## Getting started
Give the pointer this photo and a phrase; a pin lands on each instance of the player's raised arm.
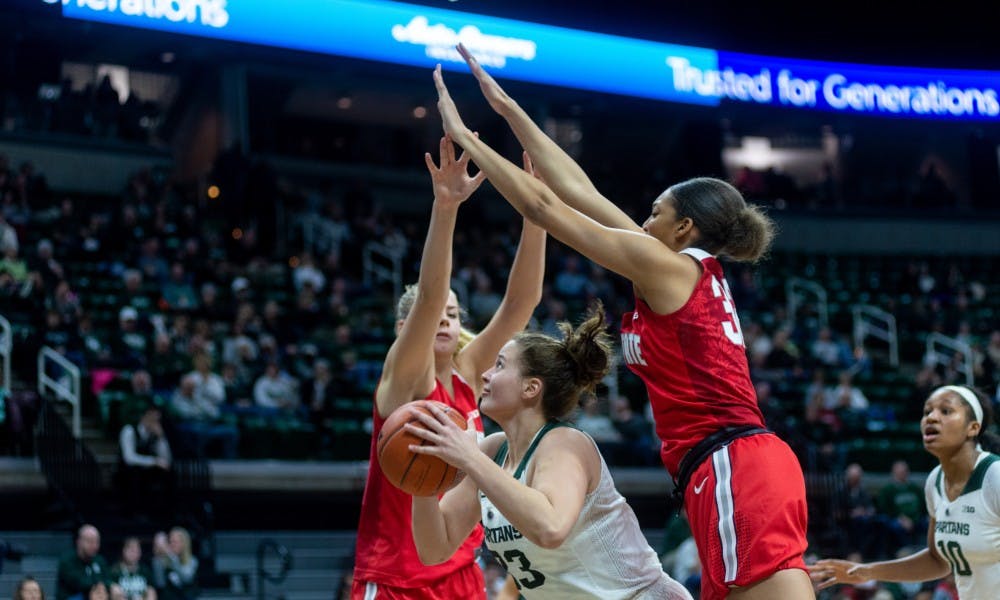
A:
(556, 167)
(408, 370)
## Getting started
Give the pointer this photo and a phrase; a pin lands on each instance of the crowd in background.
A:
(207, 310)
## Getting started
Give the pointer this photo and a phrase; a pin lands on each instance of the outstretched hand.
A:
(494, 94)
(452, 182)
(829, 572)
(450, 119)
(448, 441)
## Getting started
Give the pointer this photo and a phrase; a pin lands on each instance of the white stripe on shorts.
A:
(725, 506)
(371, 589)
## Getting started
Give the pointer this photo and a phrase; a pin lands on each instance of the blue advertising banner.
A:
(424, 36)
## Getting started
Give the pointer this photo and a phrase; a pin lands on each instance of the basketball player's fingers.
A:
(442, 416)
(425, 434)
(447, 150)
(469, 59)
(442, 90)
(429, 421)
(433, 168)
(478, 179)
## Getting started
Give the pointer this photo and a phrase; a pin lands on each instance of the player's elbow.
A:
(538, 203)
(550, 538)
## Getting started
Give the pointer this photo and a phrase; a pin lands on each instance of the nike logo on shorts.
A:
(700, 486)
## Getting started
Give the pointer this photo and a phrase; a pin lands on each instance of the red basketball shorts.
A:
(747, 507)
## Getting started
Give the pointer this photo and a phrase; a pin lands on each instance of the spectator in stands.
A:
(641, 448)
(318, 393)
(827, 351)
(177, 291)
(131, 575)
(151, 262)
(307, 272)
(784, 359)
(209, 386)
(14, 265)
(276, 390)
(238, 392)
(597, 423)
(166, 365)
(859, 505)
(144, 474)
(901, 507)
(240, 288)
(130, 345)
(8, 236)
(199, 421)
(824, 450)
(570, 282)
(849, 402)
(28, 589)
(80, 569)
(175, 568)
(209, 307)
(99, 591)
(45, 264)
(96, 351)
(285, 331)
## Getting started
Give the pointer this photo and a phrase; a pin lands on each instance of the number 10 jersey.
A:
(967, 529)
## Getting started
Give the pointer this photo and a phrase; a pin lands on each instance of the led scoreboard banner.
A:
(423, 36)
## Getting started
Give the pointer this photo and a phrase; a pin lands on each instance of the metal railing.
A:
(70, 468)
(873, 321)
(374, 257)
(284, 565)
(65, 385)
(934, 356)
(798, 290)
(6, 345)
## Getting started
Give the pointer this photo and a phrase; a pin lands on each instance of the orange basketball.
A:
(415, 474)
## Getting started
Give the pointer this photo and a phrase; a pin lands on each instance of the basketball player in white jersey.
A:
(963, 501)
(546, 499)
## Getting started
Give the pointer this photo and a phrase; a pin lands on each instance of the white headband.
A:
(968, 396)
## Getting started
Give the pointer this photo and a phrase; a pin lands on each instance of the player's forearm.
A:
(430, 531)
(435, 261)
(526, 194)
(922, 566)
(527, 509)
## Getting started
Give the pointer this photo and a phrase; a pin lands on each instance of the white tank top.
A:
(605, 557)
(967, 530)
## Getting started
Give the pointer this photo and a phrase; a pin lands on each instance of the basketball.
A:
(415, 474)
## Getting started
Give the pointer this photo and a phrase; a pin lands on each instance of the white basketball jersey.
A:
(605, 557)
(967, 530)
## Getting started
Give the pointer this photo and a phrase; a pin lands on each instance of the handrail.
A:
(374, 270)
(68, 393)
(932, 355)
(286, 565)
(873, 321)
(796, 289)
(6, 346)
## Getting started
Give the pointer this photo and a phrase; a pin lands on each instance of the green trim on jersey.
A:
(979, 473)
(975, 482)
(501, 454)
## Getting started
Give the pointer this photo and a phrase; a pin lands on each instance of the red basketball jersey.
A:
(385, 551)
(694, 364)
